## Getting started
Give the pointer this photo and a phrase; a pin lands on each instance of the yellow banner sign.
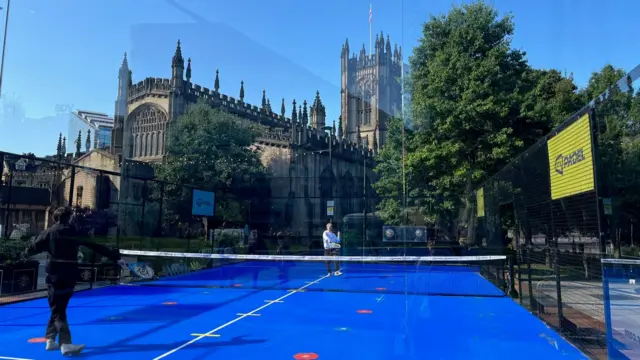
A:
(571, 160)
(480, 202)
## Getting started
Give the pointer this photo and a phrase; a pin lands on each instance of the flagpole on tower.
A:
(370, 23)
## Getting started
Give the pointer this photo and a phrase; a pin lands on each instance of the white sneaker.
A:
(52, 345)
(337, 273)
(329, 274)
(70, 349)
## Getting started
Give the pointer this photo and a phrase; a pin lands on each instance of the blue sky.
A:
(68, 51)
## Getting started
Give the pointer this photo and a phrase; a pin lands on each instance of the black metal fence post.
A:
(555, 253)
(7, 211)
(2, 184)
(596, 165)
(160, 217)
(72, 184)
(532, 301)
(145, 192)
(1, 167)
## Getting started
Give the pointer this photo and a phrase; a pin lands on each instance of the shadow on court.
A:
(119, 348)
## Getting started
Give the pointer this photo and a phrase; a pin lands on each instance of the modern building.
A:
(91, 125)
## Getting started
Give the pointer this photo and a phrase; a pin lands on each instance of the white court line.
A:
(12, 358)
(273, 301)
(232, 321)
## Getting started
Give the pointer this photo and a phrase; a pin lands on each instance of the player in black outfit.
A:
(61, 243)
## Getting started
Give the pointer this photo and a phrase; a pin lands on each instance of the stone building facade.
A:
(311, 160)
(371, 91)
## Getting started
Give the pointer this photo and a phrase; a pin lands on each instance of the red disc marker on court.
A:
(306, 356)
(237, 285)
(381, 289)
(37, 340)
(364, 311)
(170, 303)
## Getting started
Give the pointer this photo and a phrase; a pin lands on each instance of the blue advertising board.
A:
(203, 203)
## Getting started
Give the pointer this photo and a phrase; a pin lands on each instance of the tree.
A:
(617, 146)
(551, 99)
(477, 104)
(389, 169)
(465, 94)
(210, 149)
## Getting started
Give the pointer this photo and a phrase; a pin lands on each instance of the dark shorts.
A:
(331, 252)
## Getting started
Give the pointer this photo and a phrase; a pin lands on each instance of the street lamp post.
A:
(4, 43)
(325, 129)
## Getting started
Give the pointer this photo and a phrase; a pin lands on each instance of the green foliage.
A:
(389, 169)
(211, 150)
(476, 104)
(618, 118)
(467, 90)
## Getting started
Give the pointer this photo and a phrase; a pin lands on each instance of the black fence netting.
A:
(562, 206)
(119, 211)
(133, 209)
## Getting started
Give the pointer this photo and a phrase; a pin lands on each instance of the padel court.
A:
(294, 310)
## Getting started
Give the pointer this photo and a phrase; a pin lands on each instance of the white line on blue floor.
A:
(234, 320)
(12, 358)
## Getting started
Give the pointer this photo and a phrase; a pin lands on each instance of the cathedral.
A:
(313, 162)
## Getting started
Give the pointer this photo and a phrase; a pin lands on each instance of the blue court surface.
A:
(265, 311)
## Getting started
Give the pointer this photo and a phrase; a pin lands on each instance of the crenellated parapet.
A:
(304, 128)
(149, 87)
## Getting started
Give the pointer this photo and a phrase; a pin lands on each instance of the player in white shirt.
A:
(331, 247)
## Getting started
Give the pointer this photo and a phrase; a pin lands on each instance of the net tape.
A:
(620, 261)
(316, 258)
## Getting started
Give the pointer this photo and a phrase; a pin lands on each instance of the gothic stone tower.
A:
(371, 92)
(305, 176)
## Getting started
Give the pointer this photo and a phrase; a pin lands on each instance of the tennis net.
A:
(479, 276)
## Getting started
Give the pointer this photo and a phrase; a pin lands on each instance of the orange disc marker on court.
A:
(306, 356)
(37, 340)
(364, 311)
(381, 289)
(170, 303)
(237, 285)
